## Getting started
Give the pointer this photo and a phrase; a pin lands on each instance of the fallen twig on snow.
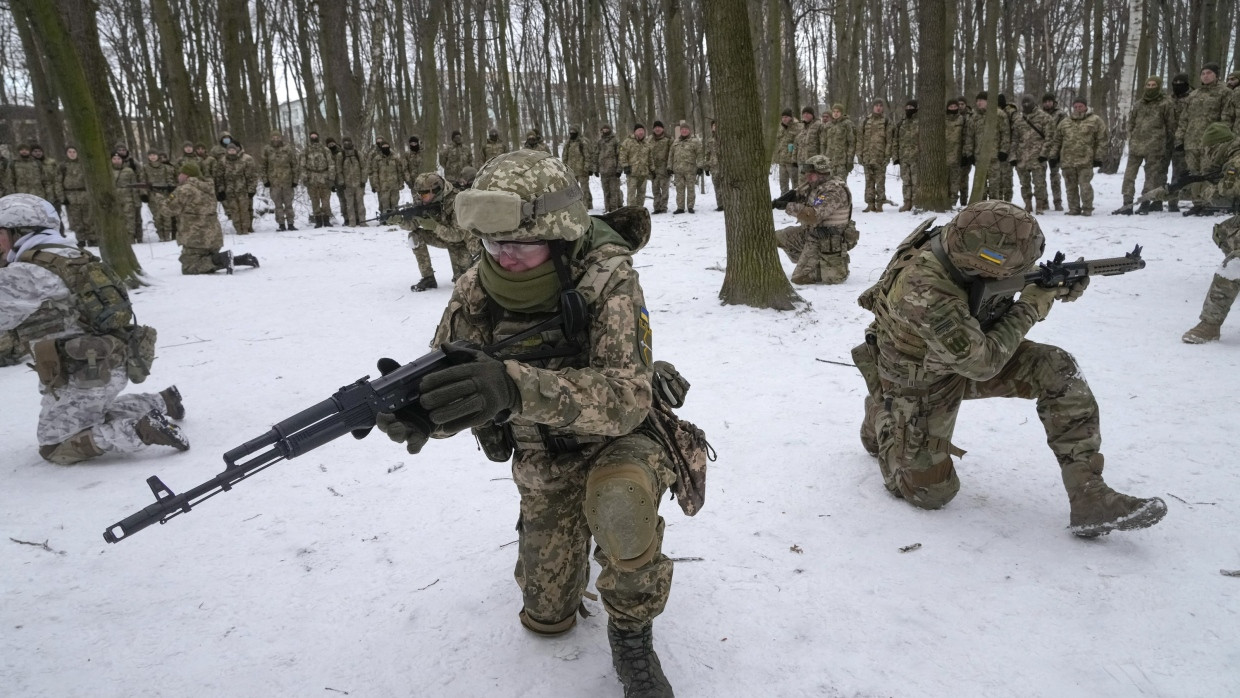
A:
(1230, 573)
(687, 559)
(836, 363)
(428, 586)
(42, 545)
(910, 548)
(1190, 503)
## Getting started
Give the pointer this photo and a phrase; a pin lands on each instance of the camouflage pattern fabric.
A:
(77, 201)
(660, 163)
(907, 146)
(1002, 140)
(440, 231)
(1225, 286)
(819, 246)
(28, 176)
(955, 130)
(127, 199)
(839, 144)
(808, 144)
(686, 159)
(237, 177)
(386, 178)
(712, 152)
(78, 422)
(599, 398)
(453, 158)
(786, 154)
(607, 150)
(1079, 141)
(492, 148)
(279, 166)
(318, 174)
(198, 224)
(159, 174)
(1054, 178)
(411, 166)
(1032, 133)
(351, 181)
(635, 155)
(1202, 107)
(1152, 126)
(580, 158)
(874, 150)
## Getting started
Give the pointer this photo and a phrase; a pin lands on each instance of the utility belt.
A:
(90, 359)
(830, 237)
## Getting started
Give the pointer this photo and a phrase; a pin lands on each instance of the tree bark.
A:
(933, 39)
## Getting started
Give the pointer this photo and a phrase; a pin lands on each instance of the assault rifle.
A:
(352, 409)
(165, 188)
(786, 198)
(418, 210)
(1174, 187)
(990, 299)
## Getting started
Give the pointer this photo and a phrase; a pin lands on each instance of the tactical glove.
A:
(1074, 290)
(219, 196)
(474, 392)
(1038, 298)
(967, 161)
(267, 184)
(628, 170)
(408, 427)
(1097, 163)
(1002, 156)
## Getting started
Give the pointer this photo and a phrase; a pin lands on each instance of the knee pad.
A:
(75, 449)
(622, 512)
(547, 629)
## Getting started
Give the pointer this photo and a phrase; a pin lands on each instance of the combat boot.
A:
(280, 228)
(1028, 205)
(637, 666)
(291, 226)
(868, 207)
(154, 428)
(246, 260)
(1042, 207)
(1058, 205)
(1173, 206)
(1156, 206)
(678, 211)
(1097, 509)
(424, 284)
(223, 260)
(1202, 333)
(908, 206)
(1143, 209)
(878, 208)
(173, 406)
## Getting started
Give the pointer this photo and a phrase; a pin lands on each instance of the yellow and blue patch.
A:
(644, 336)
(992, 256)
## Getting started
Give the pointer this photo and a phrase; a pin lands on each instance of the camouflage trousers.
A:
(908, 180)
(128, 212)
(789, 177)
(686, 194)
(553, 557)
(993, 188)
(163, 223)
(240, 210)
(1155, 175)
(282, 197)
(587, 198)
(658, 187)
(1078, 182)
(958, 183)
(389, 199)
(1197, 160)
(913, 426)
(841, 171)
(1055, 184)
(1179, 165)
(636, 190)
(875, 184)
(460, 254)
(1005, 179)
(198, 260)
(353, 207)
(320, 200)
(79, 217)
(1225, 286)
(816, 262)
(1033, 182)
(83, 420)
(613, 197)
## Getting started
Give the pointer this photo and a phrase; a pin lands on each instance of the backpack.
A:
(98, 293)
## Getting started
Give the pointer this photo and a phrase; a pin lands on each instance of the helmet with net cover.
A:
(993, 239)
(26, 213)
(524, 196)
(817, 163)
(432, 182)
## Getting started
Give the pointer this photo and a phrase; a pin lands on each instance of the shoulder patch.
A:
(644, 336)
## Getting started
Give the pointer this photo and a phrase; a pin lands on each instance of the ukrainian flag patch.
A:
(991, 256)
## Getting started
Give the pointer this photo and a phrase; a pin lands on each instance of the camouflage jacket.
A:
(1202, 107)
(603, 391)
(578, 157)
(492, 148)
(411, 165)
(126, 196)
(608, 154)
(785, 142)
(350, 170)
(906, 145)
(1080, 140)
(924, 330)
(686, 156)
(198, 222)
(635, 154)
(712, 152)
(279, 165)
(237, 176)
(454, 158)
(808, 142)
(72, 177)
(159, 174)
(1151, 127)
(318, 167)
(840, 143)
(875, 141)
(973, 135)
(387, 172)
(955, 130)
(660, 154)
(1231, 109)
(1031, 138)
(28, 176)
(824, 204)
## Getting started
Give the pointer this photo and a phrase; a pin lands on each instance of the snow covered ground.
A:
(360, 569)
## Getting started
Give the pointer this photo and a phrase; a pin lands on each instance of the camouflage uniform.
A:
(1151, 127)
(1202, 108)
(905, 149)
(819, 247)
(280, 173)
(973, 148)
(608, 168)
(874, 151)
(127, 201)
(580, 159)
(351, 181)
(660, 167)
(198, 226)
(1225, 286)
(438, 230)
(808, 144)
(455, 157)
(237, 178)
(712, 162)
(318, 174)
(839, 141)
(956, 129)
(786, 152)
(411, 162)
(636, 162)
(1006, 115)
(534, 141)
(1054, 178)
(161, 177)
(493, 146)
(28, 176)
(1079, 143)
(386, 178)
(77, 201)
(1032, 132)
(925, 353)
(686, 161)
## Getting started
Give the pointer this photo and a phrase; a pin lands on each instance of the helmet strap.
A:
(936, 244)
(573, 307)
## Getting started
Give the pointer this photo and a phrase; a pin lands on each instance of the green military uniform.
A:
(581, 159)
(1032, 132)
(660, 166)
(874, 151)
(386, 176)
(76, 199)
(839, 143)
(907, 144)
(318, 175)
(454, 157)
(1151, 128)
(436, 230)
(280, 171)
(686, 161)
(819, 246)
(534, 141)
(1225, 286)
(236, 177)
(161, 179)
(411, 161)
(1079, 145)
(925, 353)
(351, 182)
(127, 200)
(1054, 176)
(786, 150)
(1002, 140)
(27, 175)
(808, 142)
(712, 161)
(1202, 108)
(193, 204)
(955, 129)
(607, 150)
(1006, 115)
(635, 161)
(493, 146)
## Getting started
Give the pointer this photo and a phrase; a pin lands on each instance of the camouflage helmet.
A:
(432, 182)
(27, 212)
(523, 196)
(818, 164)
(993, 239)
(468, 173)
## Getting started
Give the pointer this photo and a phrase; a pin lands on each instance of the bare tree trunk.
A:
(47, 116)
(987, 147)
(677, 69)
(933, 39)
(430, 82)
(754, 276)
(80, 17)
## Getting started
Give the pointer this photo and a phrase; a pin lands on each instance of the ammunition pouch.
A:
(685, 444)
(140, 344)
(89, 359)
(494, 441)
(47, 363)
(830, 239)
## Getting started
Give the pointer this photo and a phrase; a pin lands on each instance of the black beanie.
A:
(637, 126)
(983, 95)
(787, 112)
(658, 124)
(1212, 67)
(1080, 100)
(1050, 97)
(1002, 100)
(807, 110)
(911, 103)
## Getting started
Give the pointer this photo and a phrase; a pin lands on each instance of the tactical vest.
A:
(909, 347)
(98, 293)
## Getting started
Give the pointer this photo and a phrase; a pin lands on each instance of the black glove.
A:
(145, 198)
(700, 171)
(1041, 158)
(1097, 163)
(267, 184)
(1054, 162)
(219, 196)
(408, 426)
(628, 170)
(1002, 156)
(473, 392)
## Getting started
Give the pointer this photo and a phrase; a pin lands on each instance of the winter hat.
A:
(1158, 80)
(683, 124)
(1079, 100)
(911, 103)
(456, 133)
(531, 135)
(807, 110)
(982, 95)
(1002, 101)
(837, 107)
(191, 168)
(1215, 134)
(277, 134)
(1234, 75)
(414, 139)
(637, 126)
(1050, 97)
(1212, 67)
(786, 112)
(186, 144)
(658, 124)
